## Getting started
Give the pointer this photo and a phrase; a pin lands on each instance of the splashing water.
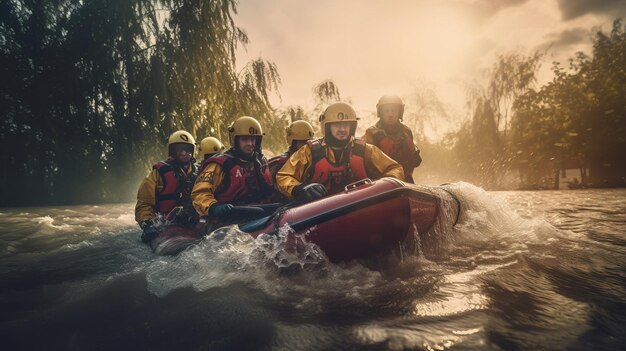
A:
(520, 270)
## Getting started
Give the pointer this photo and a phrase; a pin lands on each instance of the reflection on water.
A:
(521, 270)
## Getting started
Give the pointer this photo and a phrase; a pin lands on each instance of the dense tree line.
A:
(578, 120)
(519, 135)
(90, 90)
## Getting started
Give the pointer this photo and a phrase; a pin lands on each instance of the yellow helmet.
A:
(390, 100)
(181, 137)
(299, 130)
(338, 112)
(244, 126)
(210, 145)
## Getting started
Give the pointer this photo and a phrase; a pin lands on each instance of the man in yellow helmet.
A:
(168, 185)
(238, 176)
(298, 133)
(209, 147)
(394, 137)
(328, 164)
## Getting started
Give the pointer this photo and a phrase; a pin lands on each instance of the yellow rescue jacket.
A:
(145, 209)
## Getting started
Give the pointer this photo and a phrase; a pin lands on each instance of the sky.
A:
(373, 47)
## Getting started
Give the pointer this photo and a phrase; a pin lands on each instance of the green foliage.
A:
(92, 89)
(578, 120)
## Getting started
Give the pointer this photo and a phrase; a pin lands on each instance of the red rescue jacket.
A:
(276, 163)
(401, 149)
(336, 175)
(244, 182)
(177, 186)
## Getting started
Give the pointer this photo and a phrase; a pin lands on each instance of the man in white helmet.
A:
(168, 185)
(239, 176)
(392, 136)
(328, 164)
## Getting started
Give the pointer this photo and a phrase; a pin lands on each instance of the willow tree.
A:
(325, 93)
(484, 144)
(91, 89)
(424, 110)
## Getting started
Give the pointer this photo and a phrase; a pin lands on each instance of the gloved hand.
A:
(309, 192)
(219, 210)
(149, 233)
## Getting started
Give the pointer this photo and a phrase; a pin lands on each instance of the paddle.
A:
(240, 214)
(245, 212)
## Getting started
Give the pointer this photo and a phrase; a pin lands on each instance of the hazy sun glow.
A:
(370, 48)
(436, 40)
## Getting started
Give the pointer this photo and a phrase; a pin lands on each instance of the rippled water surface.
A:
(521, 270)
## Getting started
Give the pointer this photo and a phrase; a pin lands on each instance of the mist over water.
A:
(521, 270)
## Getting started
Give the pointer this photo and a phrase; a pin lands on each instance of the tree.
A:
(483, 144)
(578, 119)
(92, 89)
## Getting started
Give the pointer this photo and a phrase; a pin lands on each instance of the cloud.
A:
(566, 39)
(495, 6)
(571, 9)
(480, 11)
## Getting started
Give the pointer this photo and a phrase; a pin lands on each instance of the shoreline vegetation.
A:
(91, 90)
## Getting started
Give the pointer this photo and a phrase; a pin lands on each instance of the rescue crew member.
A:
(209, 147)
(298, 133)
(168, 185)
(239, 176)
(394, 137)
(328, 164)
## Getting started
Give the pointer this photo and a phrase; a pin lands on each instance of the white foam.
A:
(229, 255)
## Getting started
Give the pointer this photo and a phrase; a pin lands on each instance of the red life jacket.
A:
(205, 162)
(276, 163)
(203, 165)
(177, 186)
(243, 183)
(401, 150)
(336, 175)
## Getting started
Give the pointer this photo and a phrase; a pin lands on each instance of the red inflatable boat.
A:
(368, 219)
(175, 238)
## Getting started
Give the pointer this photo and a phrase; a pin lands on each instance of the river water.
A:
(521, 270)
